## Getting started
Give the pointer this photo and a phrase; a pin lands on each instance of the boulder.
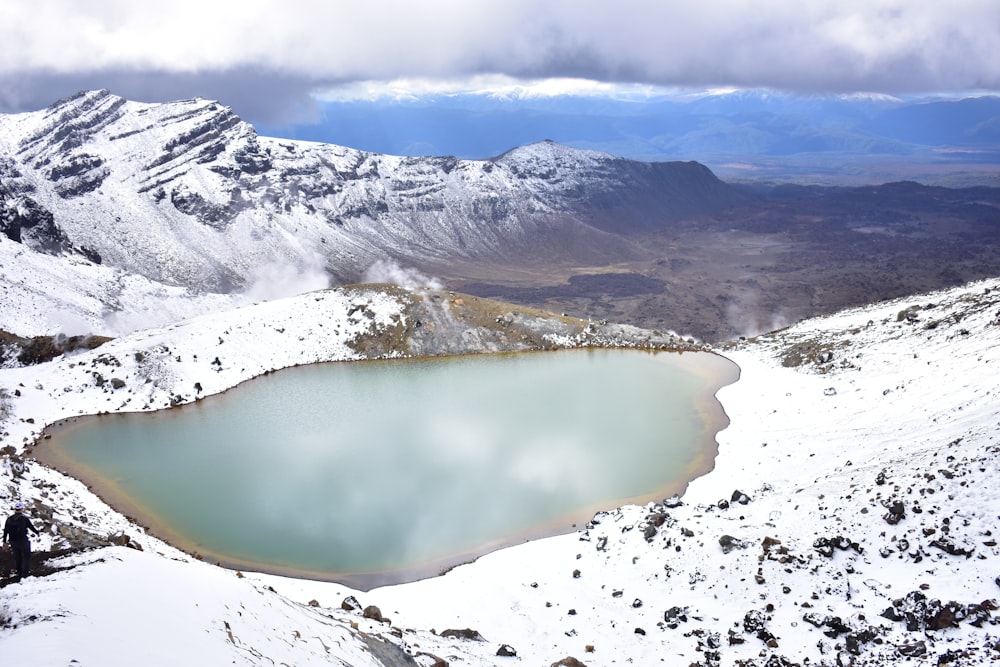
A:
(466, 633)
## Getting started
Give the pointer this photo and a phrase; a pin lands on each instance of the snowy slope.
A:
(886, 431)
(871, 479)
(41, 294)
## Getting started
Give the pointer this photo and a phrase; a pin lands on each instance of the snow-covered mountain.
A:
(187, 194)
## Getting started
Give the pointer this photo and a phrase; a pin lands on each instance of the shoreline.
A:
(724, 372)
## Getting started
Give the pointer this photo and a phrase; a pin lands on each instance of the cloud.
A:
(259, 96)
(251, 53)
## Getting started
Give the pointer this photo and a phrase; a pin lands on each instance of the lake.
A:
(379, 472)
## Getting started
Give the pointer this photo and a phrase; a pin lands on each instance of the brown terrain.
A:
(784, 254)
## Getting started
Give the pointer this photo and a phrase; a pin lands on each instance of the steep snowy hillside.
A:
(42, 294)
(850, 518)
(187, 194)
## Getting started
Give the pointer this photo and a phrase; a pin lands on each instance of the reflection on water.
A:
(337, 469)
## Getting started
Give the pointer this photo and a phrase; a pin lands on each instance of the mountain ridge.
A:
(184, 201)
(174, 191)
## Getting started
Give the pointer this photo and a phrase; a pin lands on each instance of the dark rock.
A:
(977, 614)
(892, 614)
(896, 513)
(739, 497)
(675, 616)
(768, 543)
(814, 619)
(121, 540)
(568, 661)
(467, 633)
(755, 622)
(949, 657)
(914, 650)
(506, 651)
(728, 543)
(836, 626)
(942, 616)
(374, 613)
(949, 547)
(826, 545)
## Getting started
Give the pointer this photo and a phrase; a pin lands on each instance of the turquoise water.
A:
(379, 467)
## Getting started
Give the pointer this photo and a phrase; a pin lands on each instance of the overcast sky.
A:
(265, 58)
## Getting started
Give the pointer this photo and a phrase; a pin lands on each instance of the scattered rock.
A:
(826, 545)
(946, 545)
(674, 616)
(896, 513)
(467, 633)
(568, 661)
(374, 613)
(914, 650)
(506, 651)
(729, 543)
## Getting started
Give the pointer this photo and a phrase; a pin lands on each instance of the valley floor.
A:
(851, 518)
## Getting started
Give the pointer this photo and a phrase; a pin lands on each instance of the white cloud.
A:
(495, 85)
(827, 45)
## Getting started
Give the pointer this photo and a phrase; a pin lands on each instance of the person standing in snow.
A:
(15, 530)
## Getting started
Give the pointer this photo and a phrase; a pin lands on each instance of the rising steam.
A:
(280, 279)
(388, 271)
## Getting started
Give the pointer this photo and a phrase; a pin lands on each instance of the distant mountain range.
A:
(743, 134)
(186, 206)
(186, 193)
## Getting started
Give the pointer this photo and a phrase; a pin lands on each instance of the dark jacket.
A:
(16, 528)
